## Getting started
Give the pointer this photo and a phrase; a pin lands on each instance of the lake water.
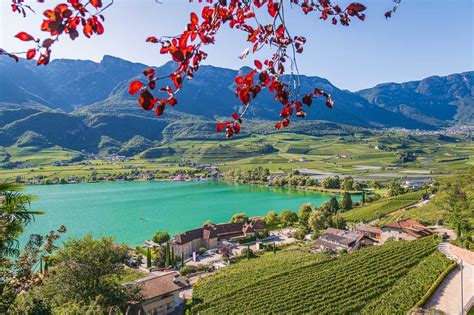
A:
(133, 211)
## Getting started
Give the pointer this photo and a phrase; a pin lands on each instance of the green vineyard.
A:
(382, 207)
(389, 279)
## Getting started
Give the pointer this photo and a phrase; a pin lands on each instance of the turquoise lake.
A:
(133, 211)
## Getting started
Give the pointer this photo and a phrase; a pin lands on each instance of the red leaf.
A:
(194, 18)
(146, 101)
(235, 116)
(149, 71)
(177, 80)
(30, 54)
(151, 39)
(329, 101)
(135, 86)
(43, 60)
(258, 64)
(229, 132)
(239, 80)
(236, 128)
(172, 101)
(220, 127)
(96, 3)
(357, 7)
(160, 109)
(307, 100)
(273, 8)
(24, 36)
(13, 56)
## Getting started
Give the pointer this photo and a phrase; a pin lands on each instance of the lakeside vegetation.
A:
(292, 280)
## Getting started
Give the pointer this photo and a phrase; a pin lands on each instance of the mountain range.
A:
(84, 105)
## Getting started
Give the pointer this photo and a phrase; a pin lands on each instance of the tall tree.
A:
(346, 202)
(333, 204)
(304, 213)
(148, 257)
(317, 221)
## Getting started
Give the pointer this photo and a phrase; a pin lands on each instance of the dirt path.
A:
(447, 297)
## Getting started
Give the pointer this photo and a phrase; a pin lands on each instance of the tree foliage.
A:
(346, 202)
(288, 218)
(240, 217)
(84, 271)
(161, 237)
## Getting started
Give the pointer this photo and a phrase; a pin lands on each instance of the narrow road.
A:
(447, 297)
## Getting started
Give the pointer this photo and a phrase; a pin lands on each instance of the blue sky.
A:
(425, 37)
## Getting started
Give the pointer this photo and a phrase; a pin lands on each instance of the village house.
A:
(160, 295)
(337, 240)
(373, 232)
(209, 235)
(406, 229)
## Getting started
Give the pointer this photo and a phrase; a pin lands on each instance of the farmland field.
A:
(382, 207)
(357, 155)
(293, 282)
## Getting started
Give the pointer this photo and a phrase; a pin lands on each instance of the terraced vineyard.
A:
(292, 282)
(382, 207)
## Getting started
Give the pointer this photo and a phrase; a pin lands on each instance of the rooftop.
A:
(411, 227)
(158, 285)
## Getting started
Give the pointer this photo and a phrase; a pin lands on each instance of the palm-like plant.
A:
(15, 214)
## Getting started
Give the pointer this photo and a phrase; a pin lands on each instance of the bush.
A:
(187, 270)
(298, 234)
(202, 250)
(190, 269)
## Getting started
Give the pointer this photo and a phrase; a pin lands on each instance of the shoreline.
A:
(314, 189)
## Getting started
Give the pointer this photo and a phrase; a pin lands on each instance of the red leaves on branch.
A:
(186, 51)
(64, 18)
(93, 25)
(24, 36)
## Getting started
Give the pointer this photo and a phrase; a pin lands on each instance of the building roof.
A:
(369, 229)
(158, 285)
(340, 238)
(410, 227)
(224, 230)
(228, 228)
(258, 225)
(191, 235)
